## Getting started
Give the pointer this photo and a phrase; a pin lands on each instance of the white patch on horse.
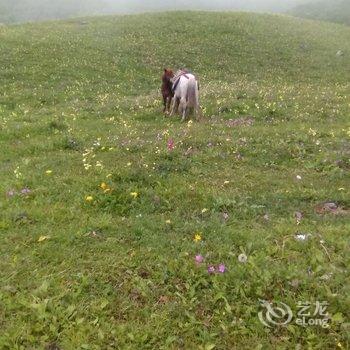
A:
(186, 94)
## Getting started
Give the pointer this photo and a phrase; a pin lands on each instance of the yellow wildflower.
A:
(197, 237)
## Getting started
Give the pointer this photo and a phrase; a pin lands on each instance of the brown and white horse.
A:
(186, 94)
(167, 89)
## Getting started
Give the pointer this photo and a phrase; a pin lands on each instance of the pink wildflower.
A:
(171, 145)
(199, 259)
(221, 268)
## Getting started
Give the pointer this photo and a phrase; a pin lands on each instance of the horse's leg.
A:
(169, 103)
(184, 114)
(164, 103)
(175, 106)
(183, 108)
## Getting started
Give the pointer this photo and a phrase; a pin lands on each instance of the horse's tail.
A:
(192, 93)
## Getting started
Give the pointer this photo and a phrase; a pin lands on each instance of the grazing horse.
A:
(167, 89)
(186, 93)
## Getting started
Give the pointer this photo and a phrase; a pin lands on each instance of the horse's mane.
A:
(178, 74)
(180, 71)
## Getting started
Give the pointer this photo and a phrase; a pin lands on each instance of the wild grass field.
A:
(112, 214)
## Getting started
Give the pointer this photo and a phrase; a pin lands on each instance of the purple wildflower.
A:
(25, 191)
(10, 193)
(221, 268)
(211, 269)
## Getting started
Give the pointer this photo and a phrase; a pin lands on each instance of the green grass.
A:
(115, 273)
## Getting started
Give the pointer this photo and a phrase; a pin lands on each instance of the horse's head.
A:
(168, 74)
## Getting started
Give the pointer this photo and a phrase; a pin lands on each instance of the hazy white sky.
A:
(22, 10)
(258, 5)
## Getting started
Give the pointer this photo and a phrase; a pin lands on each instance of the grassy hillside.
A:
(99, 212)
(333, 11)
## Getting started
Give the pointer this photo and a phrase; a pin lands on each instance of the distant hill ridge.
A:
(38, 10)
(326, 10)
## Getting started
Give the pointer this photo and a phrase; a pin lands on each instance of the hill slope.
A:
(103, 196)
(333, 11)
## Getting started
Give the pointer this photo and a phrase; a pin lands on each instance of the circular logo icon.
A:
(275, 314)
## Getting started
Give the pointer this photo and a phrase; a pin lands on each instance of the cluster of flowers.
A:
(89, 156)
(199, 259)
(25, 192)
(212, 269)
(107, 189)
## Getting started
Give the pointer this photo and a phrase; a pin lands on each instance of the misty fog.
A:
(32, 10)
